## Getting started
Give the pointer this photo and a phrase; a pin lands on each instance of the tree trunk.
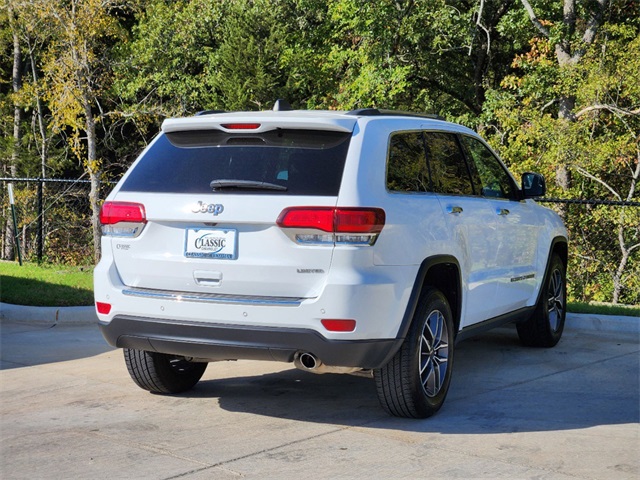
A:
(617, 277)
(44, 148)
(9, 250)
(95, 172)
(17, 111)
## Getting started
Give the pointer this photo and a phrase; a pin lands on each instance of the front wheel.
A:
(416, 380)
(545, 326)
(162, 373)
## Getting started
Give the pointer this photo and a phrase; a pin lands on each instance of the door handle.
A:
(207, 279)
(454, 210)
(502, 211)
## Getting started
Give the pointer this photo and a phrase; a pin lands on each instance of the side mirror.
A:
(533, 185)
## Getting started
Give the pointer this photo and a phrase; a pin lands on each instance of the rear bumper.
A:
(230, 342)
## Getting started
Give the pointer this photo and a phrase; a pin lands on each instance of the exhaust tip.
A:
(308, 361)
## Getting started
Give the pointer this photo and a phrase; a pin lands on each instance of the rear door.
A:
(212, 199)
(470, 221)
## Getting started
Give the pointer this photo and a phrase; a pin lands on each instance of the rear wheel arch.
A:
(443, 273)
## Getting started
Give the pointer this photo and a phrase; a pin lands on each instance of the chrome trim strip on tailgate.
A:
(212, 297)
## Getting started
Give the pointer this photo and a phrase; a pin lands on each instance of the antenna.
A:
(281, 105)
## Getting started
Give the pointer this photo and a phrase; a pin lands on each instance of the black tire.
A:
(545, 326)
(415, 382)
(162, 373)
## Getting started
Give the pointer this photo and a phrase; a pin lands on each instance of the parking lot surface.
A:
(68, 410)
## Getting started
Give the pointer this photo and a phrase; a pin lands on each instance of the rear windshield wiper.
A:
(245, 185)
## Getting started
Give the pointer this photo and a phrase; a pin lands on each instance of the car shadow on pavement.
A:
(498, 387)
(23, 345)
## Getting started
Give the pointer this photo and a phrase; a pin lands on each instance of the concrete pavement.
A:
(68, 409)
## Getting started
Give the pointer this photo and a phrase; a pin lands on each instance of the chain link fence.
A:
(604, 248)
(54, 219)
(54, 225)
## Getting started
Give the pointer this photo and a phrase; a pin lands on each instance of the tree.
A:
(569, 41)
(248, 73)
(29, 147)
(16, 82)
(168, 67)
(77, 72)
(570, 45)
(570, 109)
(422, 55)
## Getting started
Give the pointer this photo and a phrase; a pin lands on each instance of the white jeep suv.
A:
(353, 241)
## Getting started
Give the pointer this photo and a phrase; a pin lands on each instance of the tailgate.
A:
(212, 199)
(240, 251)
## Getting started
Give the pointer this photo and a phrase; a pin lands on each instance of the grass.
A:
(45, 285)
(604, 309)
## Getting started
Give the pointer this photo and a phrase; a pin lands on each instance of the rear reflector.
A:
(334, 325)
(103, 308)
(240, 126)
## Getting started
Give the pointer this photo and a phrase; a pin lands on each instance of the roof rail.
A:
(209, 112)
(373, 112)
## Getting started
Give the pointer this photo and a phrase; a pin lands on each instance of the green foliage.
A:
(604, 309)
(248, 73)
(598, 147)
(165, 69)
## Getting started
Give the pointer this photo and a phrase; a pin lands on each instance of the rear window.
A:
(298, 162)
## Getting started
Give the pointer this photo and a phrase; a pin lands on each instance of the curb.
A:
(48, 315)
(602, 323)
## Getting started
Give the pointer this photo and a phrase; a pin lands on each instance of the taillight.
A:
(359, 220)
(122, 219)
(343, 225)
(318, 218)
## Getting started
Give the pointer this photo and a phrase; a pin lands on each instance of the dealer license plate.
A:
(211, 243)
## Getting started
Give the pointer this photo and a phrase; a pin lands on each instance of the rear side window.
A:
(448, 167)
(407, 164)
(299, 162)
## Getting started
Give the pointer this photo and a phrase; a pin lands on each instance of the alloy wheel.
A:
(434, 353)
(555, 299)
